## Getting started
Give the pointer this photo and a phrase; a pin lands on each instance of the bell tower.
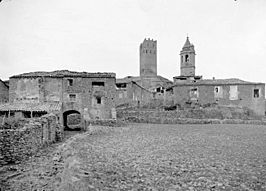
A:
(148, 58)
(187, 59)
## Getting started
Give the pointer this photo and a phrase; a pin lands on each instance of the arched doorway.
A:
(72, 120)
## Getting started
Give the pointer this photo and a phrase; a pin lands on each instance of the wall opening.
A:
(99, 100)
(70, 82)
(97, 83)
(72, 120)
(256, 93)
(186, 58)
(72, 97)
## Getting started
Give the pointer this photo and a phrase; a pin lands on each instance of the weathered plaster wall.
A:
(206, 95)
(3, 93)
(52, 89)
(24, 90)
(133, 94)
(86, 95)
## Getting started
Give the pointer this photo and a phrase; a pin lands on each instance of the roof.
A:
(188, 46)
(64, 73)
(187, 43)
(138, 79)
(48, 107)
(6, 83)
(127, 79)
(230, 81)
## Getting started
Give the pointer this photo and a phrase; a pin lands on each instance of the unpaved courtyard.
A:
(153, 157)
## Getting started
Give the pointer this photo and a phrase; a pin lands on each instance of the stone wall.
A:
(191, 116)
(21, 141)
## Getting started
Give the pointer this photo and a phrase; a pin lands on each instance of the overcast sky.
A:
(104, 36)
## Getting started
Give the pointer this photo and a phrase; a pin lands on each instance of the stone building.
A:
(189, 88)
(148, 85)
(92, 95)
(129, 91)
(3, 92)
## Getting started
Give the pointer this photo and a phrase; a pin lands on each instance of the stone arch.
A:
(66, 124)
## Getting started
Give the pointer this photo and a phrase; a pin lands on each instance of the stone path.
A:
(153, 157)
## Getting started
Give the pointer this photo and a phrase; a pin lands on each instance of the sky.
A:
(104, 36)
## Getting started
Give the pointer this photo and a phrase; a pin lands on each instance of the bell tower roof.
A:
(187, 43)
(188, 46)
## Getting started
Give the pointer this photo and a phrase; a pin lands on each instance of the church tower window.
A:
(186, 58)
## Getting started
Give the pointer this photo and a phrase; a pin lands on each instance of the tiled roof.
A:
(231, 81)
(128, 79)
(48, 107)
(138, 79)
(65, 73)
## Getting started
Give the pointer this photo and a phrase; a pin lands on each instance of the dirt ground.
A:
(148, 157)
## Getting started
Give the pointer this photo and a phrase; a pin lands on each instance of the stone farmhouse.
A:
(62, 92)
(3, 92)
(148, 85)
(189, 88)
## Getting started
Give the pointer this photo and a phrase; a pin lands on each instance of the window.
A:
(256, 93)
(122, 85)
(194, 93)
(233, 93)
(218, 92)
(186, 58)
(97, 83)
(72, 97)
(99, 100)
(70, 82)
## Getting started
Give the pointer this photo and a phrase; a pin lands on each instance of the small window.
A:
(72, 97)
(194, 93)
(97, 83)
(233, 93)
(186, 58)
(158, 89)
(99, 100)
(70, 82)
(256, 93)
(146, 51)
(218, 92)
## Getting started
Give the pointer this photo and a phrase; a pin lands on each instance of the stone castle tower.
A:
(187, 59)
(148, 58)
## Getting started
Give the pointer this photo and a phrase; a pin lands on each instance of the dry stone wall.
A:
(190, 116)
(17, 144)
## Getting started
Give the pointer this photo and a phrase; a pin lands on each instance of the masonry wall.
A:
(86, 97)
(3, 93)
(133, 94)
(148, 58)
(59, 89)
(51, 89)
(18, 143)
(206, 95)
(215, 115)
(24, 90)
